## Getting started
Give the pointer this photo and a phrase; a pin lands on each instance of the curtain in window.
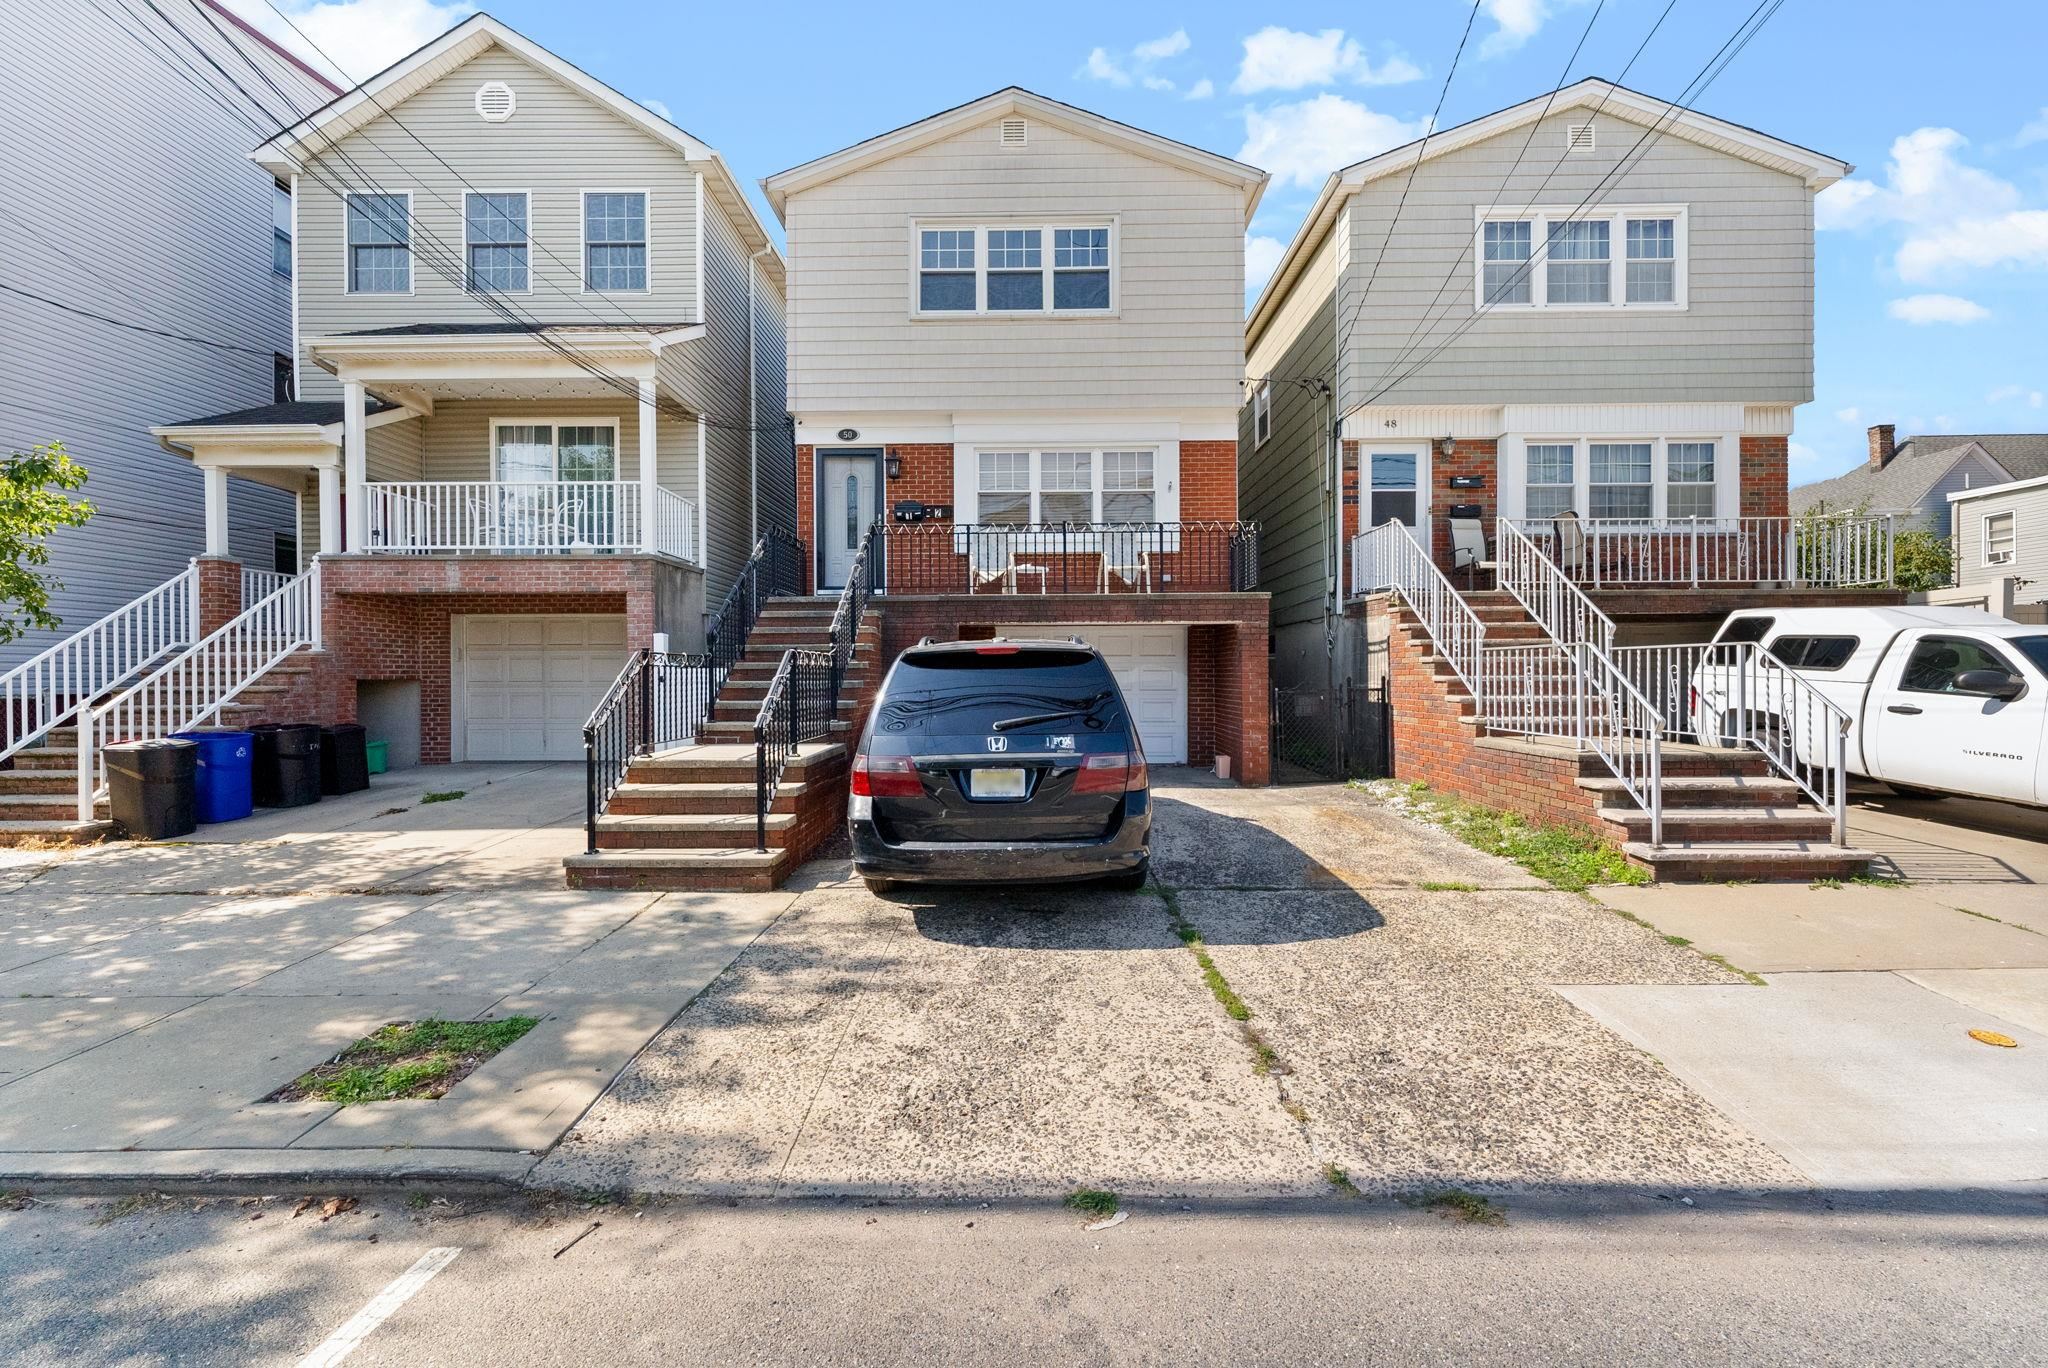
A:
(1004, 493)
(1578, 262)
(1067, 492)
(1621, 479)
(1550, 484)
(1127, 493)
(1689, 479)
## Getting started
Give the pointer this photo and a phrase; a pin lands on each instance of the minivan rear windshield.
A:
(967, 691)
(998, 657)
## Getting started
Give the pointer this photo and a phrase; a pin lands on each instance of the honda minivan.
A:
(1000, 762)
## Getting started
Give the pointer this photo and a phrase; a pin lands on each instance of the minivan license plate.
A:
(995, 783)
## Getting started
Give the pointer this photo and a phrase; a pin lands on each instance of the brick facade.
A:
(220, 592)
(1766, 478)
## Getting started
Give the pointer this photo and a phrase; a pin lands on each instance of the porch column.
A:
(330, 509)
(216, 510)
(355, 462)
(648, 487)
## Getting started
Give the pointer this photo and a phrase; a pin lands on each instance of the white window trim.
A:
(583, 229)
(463, 227)
(2011, 557)
(1262, 407)
(1514, 471)
(619, 475)
(1540, 218)
(412, 256)
(1165, 500)
(980, 228)
(290, 230)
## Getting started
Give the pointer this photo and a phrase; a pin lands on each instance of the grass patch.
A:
(1869, 880)
(1560, 856)
(1456, 1204)
(1447, 886)
(447, 796)
(1099, 1203)
(1191, 936)
(406, 1059)
(1340, 1180)
(16, 1199)
(134, 1204)
(1755, 980)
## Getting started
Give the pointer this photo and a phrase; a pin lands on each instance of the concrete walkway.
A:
(151, 994)
(1857, 1064)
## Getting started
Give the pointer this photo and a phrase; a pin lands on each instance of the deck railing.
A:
(1388, 557)
(658, 700)
(1070, 558)
(1844, 550)
(502, 517)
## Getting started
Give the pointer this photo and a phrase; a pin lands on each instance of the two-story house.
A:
(538, 420)
(103, 332)
(1518, 402)
(1015, 343)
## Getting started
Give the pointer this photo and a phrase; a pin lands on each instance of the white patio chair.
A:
(1571, 543)
(1127, 556)
(1468, 548)
(994, 561)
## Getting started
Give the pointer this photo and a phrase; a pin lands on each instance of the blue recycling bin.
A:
(223, 788)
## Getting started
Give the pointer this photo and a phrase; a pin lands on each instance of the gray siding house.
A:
(539, 413)
(1918, 477)
(162, 290)
(2001, 548)
(1587, 303)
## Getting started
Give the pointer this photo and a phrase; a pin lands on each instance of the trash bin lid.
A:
(298, 738)
(344, 729)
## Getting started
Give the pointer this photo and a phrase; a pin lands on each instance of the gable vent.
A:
(1013, 132)
(495, 102)
(1578, 137)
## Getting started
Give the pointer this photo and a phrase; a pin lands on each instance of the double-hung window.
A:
(1262, 412)
(544, 453)
(1626, 480)
(1573, 258)
(1552, 489)
(1013, 269)
(2001, 538)
(1081, 487)
(380, 244)
(1689, 479)
(495, 242)
(1622, 484)
(281, 230)
(614, 240)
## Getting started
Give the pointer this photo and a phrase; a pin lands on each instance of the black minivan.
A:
(1000, 762)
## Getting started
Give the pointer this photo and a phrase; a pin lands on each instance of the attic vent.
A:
(1013, 133)
(495, 102)
(1578, 137)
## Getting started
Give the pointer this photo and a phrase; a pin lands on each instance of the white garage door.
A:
(1151, 665)
(526, 684)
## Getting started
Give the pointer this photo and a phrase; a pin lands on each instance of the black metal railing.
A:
(798, 708)
(863, 578)
(775, 569)
(1071, 558)
(659, 699)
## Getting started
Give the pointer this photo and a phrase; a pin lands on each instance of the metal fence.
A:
(1333, 734)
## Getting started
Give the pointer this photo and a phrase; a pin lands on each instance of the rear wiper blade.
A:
(1011, 723)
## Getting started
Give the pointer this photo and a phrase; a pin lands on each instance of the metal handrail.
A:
(863, 577)
(798, 708)
(1559, 606)
(658, 699)
(51, 686)
(776, 567)
(1389, 557)
(1840, 549)
(1073, 557)
(1578, 693)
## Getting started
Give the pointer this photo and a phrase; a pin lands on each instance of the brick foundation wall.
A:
(220, 592)
(1227, 689)
(1766, 477)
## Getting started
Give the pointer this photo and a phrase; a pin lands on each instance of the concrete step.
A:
(1731, 826)
(1720, 861)
(755, 687)
(37, 807)
(746, 709)
(727, 732)
(690, 831)
(1711, 791)
(60, 758)
(674, 800)
(54, 832)
(721, 763)
(738, 869)
(38, 781)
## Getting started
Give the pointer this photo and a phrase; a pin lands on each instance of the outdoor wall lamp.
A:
(1446, 445)
(893, 464)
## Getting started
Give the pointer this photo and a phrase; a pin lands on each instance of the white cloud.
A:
(1277, 58)
(1800, 454)
(1100, 66)
(1937, 308)
(2007, 394)
(1304, 142)
(659, 108)
(1202, 89)
(1261, 256)
(1159, 49)
(1851, 416)
(361, 36)
(1515, 23)
(1155, 83)
(1951, 216)
(2035, 130)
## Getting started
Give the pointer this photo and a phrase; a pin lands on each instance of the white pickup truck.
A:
(1938, 700)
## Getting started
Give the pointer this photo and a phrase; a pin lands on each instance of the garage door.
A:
(1151, 665)
(526, 684)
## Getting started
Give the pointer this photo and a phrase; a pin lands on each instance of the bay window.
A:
(1054, 486)
(1574, 258)
(1048, 268)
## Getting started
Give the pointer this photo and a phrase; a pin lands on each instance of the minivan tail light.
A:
(1112, 773)
(885, 776)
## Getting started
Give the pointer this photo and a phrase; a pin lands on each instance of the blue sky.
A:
(1932, 271)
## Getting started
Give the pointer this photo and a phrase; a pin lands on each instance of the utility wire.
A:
(131, 327)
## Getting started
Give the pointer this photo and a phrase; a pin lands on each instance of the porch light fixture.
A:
(1446, 445)
(893, 464)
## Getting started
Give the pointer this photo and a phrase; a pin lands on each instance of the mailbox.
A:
(915, 511)
(1468, 482)
(1467, 510)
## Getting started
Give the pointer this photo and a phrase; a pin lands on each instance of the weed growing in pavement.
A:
(1869, 880)
(406, 1059)
(448, 796)
(1986, 916)
(1447, 886)
(1559, 856)
(1456, 1204)
(1340, 1180)
(418, 1201)
(134, 1204)
(1755, 980)
(1100, 1203)
(1191, 936)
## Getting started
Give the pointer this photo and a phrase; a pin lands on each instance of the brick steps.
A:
(1725, 825)
(1716, 862)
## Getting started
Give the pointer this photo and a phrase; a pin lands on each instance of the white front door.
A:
(844, 513)
(1928, 734)
(1151, 667)
(1396, 486)
(525, 684)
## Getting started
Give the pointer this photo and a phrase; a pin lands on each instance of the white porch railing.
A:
(188, 690)
(1559, 606)
(500, 517)
(261, 584)
(46, 689)
(1389, 557)
(1835, 550)
(1740, 695)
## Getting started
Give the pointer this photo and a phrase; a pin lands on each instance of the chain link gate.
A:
(1324, 735)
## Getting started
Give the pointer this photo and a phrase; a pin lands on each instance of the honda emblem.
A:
(999, 743)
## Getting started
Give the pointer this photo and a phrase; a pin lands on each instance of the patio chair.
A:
(1468, 549)
(1571, 543)
(1125, 556)
(993, 560)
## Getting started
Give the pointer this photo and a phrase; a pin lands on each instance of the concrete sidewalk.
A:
(151, 994)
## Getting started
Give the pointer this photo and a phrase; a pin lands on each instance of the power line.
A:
(131, 327)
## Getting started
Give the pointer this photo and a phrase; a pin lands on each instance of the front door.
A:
(1928, 734)
(846, 508)
(1397, 487)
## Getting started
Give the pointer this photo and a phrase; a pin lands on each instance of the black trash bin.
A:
(263, 769)
(344, 759)
(297, 762)
(152, 787)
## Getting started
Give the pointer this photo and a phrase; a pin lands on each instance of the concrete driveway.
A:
(1858, 1063)
(150, 994)
(1019, 1043)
